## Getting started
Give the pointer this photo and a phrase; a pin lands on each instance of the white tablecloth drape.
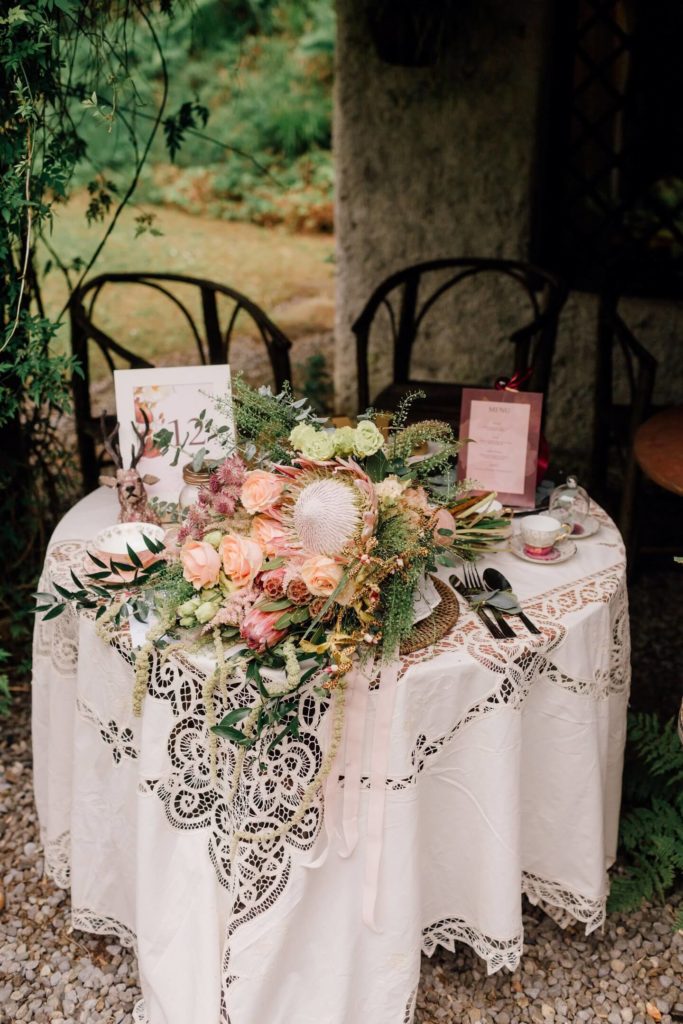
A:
(503, 778)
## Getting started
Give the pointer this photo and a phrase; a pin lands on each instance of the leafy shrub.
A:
(261, 70)
(651, 829)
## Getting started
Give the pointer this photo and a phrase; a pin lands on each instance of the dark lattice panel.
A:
(612, 201)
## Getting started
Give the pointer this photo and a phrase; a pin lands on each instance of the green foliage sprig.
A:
(651, 828)
(264, 420)
(110, 578)
(64, 70)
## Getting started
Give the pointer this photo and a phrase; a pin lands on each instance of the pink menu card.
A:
(503, 428)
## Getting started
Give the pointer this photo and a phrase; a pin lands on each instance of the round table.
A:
(503, 779)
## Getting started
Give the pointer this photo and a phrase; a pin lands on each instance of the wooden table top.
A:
(658, 448)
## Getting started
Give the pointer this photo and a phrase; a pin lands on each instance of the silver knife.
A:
(483, 615)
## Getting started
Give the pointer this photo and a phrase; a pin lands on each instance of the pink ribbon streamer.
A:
(356, 713)
(386, 699)
(342, 807)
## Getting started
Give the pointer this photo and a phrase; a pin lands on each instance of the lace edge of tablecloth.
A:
(564, 906)
(84, 920)
(139, 1013)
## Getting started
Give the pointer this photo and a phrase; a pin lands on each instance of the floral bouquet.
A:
(304, 552)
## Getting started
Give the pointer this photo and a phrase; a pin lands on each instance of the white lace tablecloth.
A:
(504, 778)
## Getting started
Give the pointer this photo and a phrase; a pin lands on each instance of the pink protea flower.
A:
(258, 629)
(325, 507)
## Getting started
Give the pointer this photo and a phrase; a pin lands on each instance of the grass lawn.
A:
(291, 276)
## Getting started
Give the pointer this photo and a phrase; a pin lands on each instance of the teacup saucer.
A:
(587, 528)
(563, 550)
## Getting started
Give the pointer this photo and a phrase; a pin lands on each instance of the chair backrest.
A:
(402, 297)
(211, 329)
(617, 422)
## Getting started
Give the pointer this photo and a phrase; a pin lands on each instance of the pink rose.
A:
(200, 562)
(260, 491)
(258, 629)
(321, 575)
(272, 583)
(242, 558)
(267, 532)
(444, 521)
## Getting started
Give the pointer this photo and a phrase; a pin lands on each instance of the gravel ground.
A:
(630, 973)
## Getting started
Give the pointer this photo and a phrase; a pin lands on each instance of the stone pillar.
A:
(432, 162)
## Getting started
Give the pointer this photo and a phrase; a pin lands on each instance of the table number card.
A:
(504, 429)
(171, 398)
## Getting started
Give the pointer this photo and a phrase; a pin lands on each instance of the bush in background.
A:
(261, 74)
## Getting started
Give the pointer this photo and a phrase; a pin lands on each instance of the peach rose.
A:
(267, 533)
(260, 491)
(200, 562)
(322, 575)
(242, 558)
(444, 521)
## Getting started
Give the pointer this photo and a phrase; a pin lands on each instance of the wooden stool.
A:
(658, 448)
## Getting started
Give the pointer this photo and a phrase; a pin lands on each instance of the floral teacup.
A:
(541, 533)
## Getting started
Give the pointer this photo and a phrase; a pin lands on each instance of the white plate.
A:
(114, 540)
(112, 545)
(563, 550)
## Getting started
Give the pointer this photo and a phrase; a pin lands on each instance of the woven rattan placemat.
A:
(436, 625)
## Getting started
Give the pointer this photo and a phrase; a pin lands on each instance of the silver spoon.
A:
(496, 581)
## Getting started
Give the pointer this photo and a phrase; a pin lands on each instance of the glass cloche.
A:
(570, 504)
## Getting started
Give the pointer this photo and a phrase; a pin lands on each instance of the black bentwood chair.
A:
(408, 297)
(616, 421)
(211, 330)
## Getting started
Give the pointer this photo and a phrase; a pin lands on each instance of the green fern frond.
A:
(651, 828)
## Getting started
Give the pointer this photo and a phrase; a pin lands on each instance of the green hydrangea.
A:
(302, 433)
(344, 441)
(319, 446)
(368, 440)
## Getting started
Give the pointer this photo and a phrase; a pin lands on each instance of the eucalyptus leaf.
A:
(235, 716)
(54, 612)
(275, 606)
(134, 557)
(280, 736)
(232, 734)
(198, 460)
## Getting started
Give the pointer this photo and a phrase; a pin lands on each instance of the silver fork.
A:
(466, 590)
(474, 582)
